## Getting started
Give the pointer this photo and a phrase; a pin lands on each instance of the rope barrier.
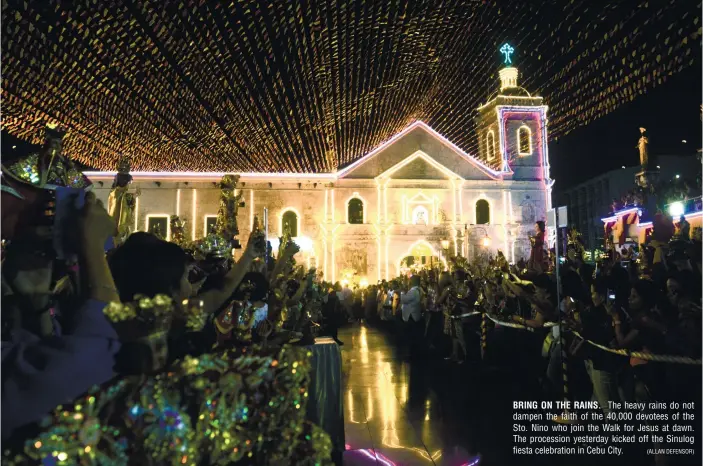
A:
(520, 326)
(645, 356)
(668, 358)
(469, 314)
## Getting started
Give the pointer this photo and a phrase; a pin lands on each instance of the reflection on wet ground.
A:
(431, 412)
(398, 414)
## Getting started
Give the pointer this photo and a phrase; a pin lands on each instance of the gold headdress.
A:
(47, 169)
(123, 166)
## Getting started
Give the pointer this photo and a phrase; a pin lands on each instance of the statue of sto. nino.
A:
(643, 146)
(121, 204)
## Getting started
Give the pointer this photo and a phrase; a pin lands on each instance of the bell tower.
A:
(512, 127)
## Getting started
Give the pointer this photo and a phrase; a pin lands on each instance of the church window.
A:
(289, 221)
(490, 145)
(210, 223)
(158, 225)
(355, 211)
(420, 216)
(524, 137)
(483, 212)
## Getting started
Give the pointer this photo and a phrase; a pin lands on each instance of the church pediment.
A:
(398, 159)
(419, 166)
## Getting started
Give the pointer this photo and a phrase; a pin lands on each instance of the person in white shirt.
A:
(411, 301)
(411, 310)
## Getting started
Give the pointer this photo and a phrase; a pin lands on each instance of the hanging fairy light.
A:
(309, 87)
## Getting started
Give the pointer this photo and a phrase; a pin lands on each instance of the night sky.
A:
(313, 85)
(671, 113)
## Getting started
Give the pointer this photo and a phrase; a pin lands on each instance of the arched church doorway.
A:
(421, 255)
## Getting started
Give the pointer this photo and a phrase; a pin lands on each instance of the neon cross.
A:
(507, 50)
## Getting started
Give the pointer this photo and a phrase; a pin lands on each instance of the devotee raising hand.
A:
(95, 226)
(214, 298)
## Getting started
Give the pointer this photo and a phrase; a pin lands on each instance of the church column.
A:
(512, 231)
(387, 239)
(385, 201)
(506, 251)
(379, 256)
(326, 263)
(459, 227)
(333, 242)
(252, 207)
(454, 201)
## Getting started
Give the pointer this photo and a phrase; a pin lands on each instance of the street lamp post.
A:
(445, 248)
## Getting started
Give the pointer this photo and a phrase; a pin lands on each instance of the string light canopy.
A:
(312, 86)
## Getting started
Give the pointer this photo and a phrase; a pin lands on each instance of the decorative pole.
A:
(484, 333)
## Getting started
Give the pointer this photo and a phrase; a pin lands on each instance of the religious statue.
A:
(643, 146)
(646, 161)
(48, 168)
(230, 202)
(285, 239)
(121, 203)
(178, 231)
(31, 181)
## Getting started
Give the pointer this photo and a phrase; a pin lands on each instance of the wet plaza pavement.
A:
(402, 414)
(432, 412)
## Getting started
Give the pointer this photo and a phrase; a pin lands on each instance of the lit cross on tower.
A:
(507, 50)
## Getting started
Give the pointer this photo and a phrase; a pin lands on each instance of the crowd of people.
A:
(137, 347)
(163, 328)
(641, 304)
(630, 323)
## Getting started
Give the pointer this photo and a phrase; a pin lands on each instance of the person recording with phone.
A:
(595, 325)
(42, 368)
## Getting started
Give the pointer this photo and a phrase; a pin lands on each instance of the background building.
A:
(417, 196)
(590, 201)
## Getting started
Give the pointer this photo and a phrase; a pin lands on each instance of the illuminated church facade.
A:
(416, 196)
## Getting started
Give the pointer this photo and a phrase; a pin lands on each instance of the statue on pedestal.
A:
(643, 146)
(121, 203)
(178, 234)
(648, 176)
(230, 202)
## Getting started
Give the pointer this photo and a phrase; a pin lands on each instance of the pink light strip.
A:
(619, 214)
(687, 216)
(504, 112)
(426, 127)
(536, 97)
(374, 456)
(649, 224)
(693, 215)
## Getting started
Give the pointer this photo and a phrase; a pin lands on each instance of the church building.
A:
(413, 201)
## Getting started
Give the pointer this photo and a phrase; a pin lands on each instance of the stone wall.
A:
(366, 248)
